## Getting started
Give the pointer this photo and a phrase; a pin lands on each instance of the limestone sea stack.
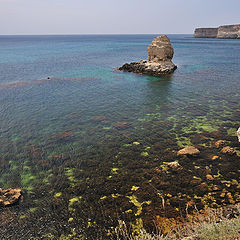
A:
(160, 54)
(226, 31)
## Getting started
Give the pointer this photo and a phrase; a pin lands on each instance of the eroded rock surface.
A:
(10, 196)
(160, 54)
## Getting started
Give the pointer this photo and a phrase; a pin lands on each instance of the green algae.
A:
(103, 198)
(106, 128)
(183, 141)
(116, 195)
(232, 132)
(134, 188)
(72, 202)
(127, 145)
(70, 175)
(144, 154)
(33, 209)
(57, 195)
(114, 170)
(27, 178)
(137, 204)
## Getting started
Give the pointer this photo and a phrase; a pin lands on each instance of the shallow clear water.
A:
(80, 143)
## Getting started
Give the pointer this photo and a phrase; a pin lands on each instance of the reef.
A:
(226, 31)
(160, 54)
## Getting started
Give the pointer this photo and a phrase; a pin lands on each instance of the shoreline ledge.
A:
(160, 54)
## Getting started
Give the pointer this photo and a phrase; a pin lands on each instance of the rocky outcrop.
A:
(160, 54)
(226, 31)
(229, 31)
(9, 196)
(205, 32)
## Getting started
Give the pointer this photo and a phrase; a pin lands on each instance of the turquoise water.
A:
(89, 145)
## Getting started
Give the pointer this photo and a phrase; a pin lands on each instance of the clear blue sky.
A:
(114, 16)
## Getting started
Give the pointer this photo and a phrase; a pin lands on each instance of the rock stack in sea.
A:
(160, 54)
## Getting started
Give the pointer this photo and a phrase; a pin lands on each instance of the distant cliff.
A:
(227, 31)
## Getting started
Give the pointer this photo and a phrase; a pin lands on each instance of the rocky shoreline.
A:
(160, 54)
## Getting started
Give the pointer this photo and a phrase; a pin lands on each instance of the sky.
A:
(114, 16)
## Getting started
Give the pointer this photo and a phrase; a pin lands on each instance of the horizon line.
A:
(64, 34)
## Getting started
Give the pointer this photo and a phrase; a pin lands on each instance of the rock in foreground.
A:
(160, 54)
(10, 196)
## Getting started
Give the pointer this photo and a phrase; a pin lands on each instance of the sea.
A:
(90, 146)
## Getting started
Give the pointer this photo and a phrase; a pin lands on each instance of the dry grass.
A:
(212, 225)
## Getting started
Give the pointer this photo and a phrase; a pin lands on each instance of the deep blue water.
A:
(61, 135)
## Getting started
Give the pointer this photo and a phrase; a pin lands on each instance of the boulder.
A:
(175, 166)
(160, 54)
(192, 151)
(220, 143)
(10, 196)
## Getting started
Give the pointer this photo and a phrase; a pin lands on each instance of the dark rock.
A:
(99, 119)
(122, 125)
(63, 136)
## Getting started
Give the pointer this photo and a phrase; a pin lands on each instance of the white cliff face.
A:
(226, 31)
(205, 32)
(229, 31)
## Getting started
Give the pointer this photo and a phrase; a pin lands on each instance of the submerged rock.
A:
(192, 151)
(10, 196)
(175, 166)
(160, 54)
(220, 143)
(228, 150)
(61, 137)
